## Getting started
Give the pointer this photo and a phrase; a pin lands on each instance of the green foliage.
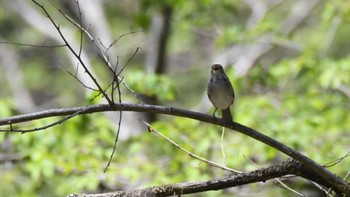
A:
(6, 109)
(151, 85)
(72, 151)
(231, 34)
(336, 9)
(303, 95)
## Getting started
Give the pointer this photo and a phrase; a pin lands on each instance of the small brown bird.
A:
(220, 91)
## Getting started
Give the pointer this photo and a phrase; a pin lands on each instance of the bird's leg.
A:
(214, 112)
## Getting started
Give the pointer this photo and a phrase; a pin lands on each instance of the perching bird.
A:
(220, 91)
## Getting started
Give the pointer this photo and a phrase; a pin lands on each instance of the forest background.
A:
(287, 60)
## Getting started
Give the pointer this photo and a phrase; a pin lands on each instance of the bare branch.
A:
(33, 45)
(117, 39)
(282, 185)
(132, 56)
(211, 163)
(314, 169)
(336, 161)
(46, 126)
(75, 76)
(118, 129)
(102, 55)
(57, 27)
(261, 175)
(115, 142)
(81, 30)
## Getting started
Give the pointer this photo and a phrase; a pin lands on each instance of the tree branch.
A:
(287, 167)
(331, 179)
(76, 54)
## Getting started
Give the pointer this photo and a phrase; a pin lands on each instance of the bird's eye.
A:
(216, 67)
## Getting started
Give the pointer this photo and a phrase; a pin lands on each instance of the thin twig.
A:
(119, 123)
(33, 45)
(222, 145)
(71, 20)
(49, 125)
(276, 179)
(75, 76)
(102, 55)
(57, 27)
(118, 38)
(115, 142)
(347, 175)
(132, 56)
(211, 163)
(327, 193)
(81, 30)
(336, 161)
(115, 80)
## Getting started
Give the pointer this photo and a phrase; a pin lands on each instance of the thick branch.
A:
(288, 167)
(335, 182)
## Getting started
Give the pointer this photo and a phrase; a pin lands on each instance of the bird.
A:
(220, 92)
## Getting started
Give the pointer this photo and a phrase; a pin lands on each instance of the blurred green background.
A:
(287, 60)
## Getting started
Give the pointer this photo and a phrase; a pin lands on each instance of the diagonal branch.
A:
(103, 55)
(331, 179)
(287, 167)
(211, 163)
(77, 55)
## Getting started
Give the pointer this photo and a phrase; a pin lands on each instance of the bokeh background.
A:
(287, 60)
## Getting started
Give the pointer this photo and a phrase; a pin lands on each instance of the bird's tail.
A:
(226, 115)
